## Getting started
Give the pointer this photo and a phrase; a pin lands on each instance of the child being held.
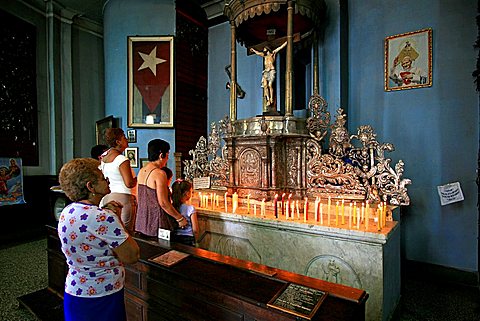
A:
(181, 194)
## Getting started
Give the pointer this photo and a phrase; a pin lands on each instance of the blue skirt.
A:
(105, 308)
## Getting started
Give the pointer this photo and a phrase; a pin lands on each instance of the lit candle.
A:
(384, 213)
(217, 198)
(379, 216)
(275, 205)
(200, 199)
(262, 208)
(248, 204)
(336, 214)
(226, 208)
(350, 216)
(288, 208)
(234, 202)
(358, 218)
(363, 212)
(354, 213)
(212, 197)
(343, 211)
(328, 209)
(298, 210)
(283, 204)
(292, 209)
(367, 214)
(305, 210)
(321, 212)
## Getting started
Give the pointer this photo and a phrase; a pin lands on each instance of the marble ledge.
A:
(298, 226)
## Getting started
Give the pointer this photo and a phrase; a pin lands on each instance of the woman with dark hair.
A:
(95, 244)
(116, 167)
(155, 209)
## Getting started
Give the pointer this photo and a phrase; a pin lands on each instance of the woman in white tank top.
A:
(116, 167)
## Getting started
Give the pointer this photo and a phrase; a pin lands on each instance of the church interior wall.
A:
(435, 129)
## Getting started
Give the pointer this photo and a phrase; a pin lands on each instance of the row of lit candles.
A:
(289, 207)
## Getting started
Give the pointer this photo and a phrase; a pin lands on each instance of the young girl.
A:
(181, 194)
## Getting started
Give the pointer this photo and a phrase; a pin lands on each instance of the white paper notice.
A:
(450, 193)
(201, 183)
(163, 234)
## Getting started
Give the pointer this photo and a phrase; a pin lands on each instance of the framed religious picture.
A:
(408, 60)
(150, 82)
(101, 125)
(132, 136)
(132, 154)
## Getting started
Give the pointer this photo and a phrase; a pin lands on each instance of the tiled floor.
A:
(23, 270)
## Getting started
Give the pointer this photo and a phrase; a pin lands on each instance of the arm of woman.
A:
(128, 252)
(127, 174)
(163, 200)
(195, 230)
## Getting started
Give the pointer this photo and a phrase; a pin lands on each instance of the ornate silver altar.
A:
(267, 155)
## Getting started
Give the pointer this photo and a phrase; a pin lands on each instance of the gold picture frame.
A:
(150, 81)
(408, 60)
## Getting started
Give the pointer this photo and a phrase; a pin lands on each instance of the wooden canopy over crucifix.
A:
(250, 23)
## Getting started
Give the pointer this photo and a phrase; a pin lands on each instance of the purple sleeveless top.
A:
(150, 215)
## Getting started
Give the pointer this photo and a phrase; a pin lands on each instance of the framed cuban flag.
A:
(150, 81)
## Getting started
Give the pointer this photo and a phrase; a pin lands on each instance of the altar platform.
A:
(362, 258)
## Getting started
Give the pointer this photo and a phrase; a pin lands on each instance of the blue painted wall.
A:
(123, 18)
(435, 130)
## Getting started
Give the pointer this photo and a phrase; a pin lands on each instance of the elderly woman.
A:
(95, 244)
(116, 167)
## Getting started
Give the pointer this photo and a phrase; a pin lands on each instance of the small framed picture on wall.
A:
(143, 162)
(132, 154)
(132, 136)
(101, 125)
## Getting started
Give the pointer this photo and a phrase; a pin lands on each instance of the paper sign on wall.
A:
(201, 182)
(450, 193)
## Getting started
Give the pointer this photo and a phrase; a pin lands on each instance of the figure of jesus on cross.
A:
(268, 74)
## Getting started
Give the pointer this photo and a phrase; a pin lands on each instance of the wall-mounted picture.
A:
(101, 125)
(150, 82)
(408, 60)
(143, 162)
(132, 136)
(132, 154)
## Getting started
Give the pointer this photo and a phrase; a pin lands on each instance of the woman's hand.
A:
(114, 206)
(182, 222)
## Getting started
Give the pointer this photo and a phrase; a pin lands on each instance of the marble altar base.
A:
(356, 258)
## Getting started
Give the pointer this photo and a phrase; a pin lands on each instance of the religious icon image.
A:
(150, 82)
(408, 60)
(11, 181)
(268, 74)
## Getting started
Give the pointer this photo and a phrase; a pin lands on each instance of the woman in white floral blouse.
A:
(95, 244)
